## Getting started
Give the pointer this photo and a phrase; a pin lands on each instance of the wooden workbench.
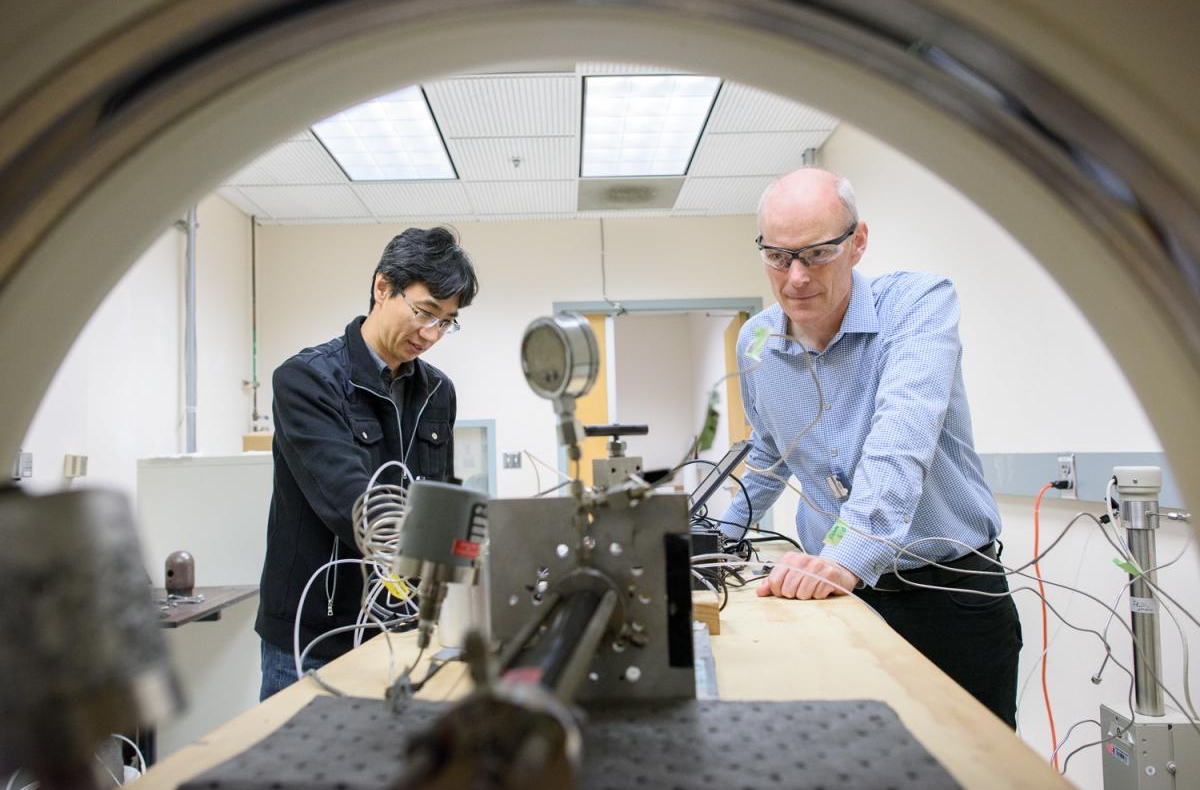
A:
(768, 649)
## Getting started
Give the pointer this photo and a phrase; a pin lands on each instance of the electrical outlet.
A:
(1066, 471)
(512, 460)
(23, 465)
(74, 465)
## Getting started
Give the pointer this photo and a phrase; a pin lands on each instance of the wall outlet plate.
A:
(1066, 471)
(22, 465)
(512, 460)
(74, 466)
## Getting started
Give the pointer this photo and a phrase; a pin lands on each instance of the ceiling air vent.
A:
(627, 194)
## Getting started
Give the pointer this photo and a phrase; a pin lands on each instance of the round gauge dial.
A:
(559, 356)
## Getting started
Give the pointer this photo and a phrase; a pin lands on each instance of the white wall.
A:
(654, 386)
(118, 395)
(1038, 377)
(118, 392)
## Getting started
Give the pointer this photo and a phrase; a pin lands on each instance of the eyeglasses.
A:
(818, 254)
(447, 326)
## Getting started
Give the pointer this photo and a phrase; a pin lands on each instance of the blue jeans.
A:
(279, 669)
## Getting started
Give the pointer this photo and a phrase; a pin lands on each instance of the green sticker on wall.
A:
(836, 533)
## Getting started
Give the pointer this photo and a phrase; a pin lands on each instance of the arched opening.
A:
(225, 86)
(254, 80)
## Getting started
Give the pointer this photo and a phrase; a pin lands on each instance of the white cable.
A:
(1063, 742)
(553, 469)
(116, 782)
(300, 608)
(1103, 637)
(698, 575)
(812, 372)
(137, 752)
(1057, 629)
(1187, 684)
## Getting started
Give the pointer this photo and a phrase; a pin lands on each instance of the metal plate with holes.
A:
(532, 543)
(683, 745)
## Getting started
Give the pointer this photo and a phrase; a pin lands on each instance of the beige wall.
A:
(119, 394)
(314, 279)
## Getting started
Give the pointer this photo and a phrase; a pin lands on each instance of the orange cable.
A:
(1037, 503)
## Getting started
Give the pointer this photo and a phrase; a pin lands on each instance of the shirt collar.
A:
(860, 316)
(385, 372)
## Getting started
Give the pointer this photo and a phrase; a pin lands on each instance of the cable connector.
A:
(1062, 485)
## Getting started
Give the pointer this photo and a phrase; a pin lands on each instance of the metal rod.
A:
(189, 338)
(1143, 608)
(563, 651)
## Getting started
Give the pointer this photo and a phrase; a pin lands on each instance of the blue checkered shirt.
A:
(895, 426)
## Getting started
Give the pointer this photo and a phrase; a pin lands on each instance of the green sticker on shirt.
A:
(758, 343)
(836, 533)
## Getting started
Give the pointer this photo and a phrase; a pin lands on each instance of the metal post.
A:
(1138, 487)
(189, 337)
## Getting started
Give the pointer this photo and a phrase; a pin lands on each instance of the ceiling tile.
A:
(307, 202)
(414, 198)
(767, 153)
(504, 198)
(235, 196)
(624, 194)
(624, 68)
(717, 196)
(743, 109)
(491, 159)
(293, 162)
(506, 106)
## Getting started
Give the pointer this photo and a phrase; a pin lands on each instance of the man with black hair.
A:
(341, 410)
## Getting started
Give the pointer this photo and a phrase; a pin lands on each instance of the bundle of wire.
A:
(389, 602)
(378, 516)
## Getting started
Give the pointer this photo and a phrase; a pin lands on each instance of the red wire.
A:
(1037, 503)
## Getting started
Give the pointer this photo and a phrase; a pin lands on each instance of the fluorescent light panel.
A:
(391, 138)
(643, 125)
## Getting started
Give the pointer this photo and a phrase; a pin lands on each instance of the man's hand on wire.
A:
(805, 576)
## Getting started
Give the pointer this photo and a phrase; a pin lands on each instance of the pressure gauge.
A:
(559, 356)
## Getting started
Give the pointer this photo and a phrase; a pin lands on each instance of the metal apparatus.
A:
(1138, 487)
(440, 540)
(82, 655)
(589, 598)
(1159, 752)
(617, 467)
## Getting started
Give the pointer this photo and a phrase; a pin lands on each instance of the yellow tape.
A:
(397, 587)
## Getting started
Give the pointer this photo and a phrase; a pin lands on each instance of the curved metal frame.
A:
(65, 136)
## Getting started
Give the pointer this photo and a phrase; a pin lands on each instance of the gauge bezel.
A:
(580, 356)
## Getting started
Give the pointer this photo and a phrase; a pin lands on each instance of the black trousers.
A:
(974, 639)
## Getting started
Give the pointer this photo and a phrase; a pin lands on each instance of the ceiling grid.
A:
(514, 140)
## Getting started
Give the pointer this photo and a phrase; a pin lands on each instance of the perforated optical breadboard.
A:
(354, 744)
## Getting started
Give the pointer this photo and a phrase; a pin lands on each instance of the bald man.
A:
(859, 393)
